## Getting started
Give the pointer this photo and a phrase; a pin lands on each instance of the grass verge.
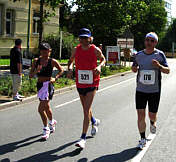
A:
(7, 61)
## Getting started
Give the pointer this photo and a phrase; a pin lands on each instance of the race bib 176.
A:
(147, 77)
(85, 76)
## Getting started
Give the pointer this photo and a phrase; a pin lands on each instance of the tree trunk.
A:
(41, 21)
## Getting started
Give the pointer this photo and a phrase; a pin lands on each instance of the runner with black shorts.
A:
(149, 64)
(87, 78)
(43, 67)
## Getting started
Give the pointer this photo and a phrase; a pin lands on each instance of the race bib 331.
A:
(85, 76)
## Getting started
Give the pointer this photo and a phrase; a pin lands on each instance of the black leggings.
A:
(152, 99)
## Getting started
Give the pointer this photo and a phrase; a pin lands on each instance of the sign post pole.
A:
(173, 49)
(60, 53)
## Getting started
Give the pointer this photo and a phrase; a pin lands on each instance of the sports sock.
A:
(142, 135)
(83, 136)
(93, 120)
(151, 122)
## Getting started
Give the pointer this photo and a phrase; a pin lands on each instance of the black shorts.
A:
(84, 91)
(50, 90)
(152, 99)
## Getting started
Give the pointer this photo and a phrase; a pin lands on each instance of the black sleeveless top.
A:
(46, 71)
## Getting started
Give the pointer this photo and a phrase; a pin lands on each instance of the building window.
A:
(9, 22)
(36, 18)
(168, 5)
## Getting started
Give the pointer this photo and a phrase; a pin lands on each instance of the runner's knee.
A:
(152, 116)
(141, 116)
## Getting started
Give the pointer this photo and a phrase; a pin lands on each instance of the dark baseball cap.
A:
(44, 46)
(84, 32)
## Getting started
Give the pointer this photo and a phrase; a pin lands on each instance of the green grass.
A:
(107, 71)
(4, 62)
(64, 61)
(7, 61)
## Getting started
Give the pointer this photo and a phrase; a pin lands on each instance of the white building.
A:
(168, 7)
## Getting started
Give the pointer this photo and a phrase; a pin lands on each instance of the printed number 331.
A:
(84, 77)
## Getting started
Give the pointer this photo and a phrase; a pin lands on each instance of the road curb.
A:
(59, 91)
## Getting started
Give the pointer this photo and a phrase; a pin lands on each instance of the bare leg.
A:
(48, 111)
(41, 110)
(87, 103)
(153, 117)
(141, 120)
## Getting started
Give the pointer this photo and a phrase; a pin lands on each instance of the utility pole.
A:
(29, 23)
(60, 53)
(173, 49)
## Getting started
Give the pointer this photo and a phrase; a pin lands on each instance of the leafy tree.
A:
(65, 12)
(154, 19)
(109, 19)
(170, 36)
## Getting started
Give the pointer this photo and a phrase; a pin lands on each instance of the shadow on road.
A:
(83, 160)
(51, 155)
(10, 147)
(119, 157)
(5, 160)
(5, 101)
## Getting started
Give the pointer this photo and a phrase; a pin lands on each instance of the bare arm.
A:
(70, 62)
(19, 66)
(102, 59)
(135, 66)
(59, 67)
(33, 70)
(134, 69)
(162, 68)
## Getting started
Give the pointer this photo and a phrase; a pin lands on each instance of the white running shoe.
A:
(152, 129)
(17, 98)
(46, 133)
(142, 143)
(20, 96)
(81, 143)
(94, 130)
(52, 126)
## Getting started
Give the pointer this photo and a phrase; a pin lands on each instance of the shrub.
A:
(6, 86)
(68, 42)
(28, 87)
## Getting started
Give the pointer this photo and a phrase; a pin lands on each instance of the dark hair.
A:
(18, 42)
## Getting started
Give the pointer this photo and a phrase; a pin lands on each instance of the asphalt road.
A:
(114, 105)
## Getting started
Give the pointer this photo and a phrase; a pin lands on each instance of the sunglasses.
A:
(150, 40)
(83, 37)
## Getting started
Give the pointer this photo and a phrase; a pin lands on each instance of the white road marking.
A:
(66, 103)
(141, 153)
(103, 89)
